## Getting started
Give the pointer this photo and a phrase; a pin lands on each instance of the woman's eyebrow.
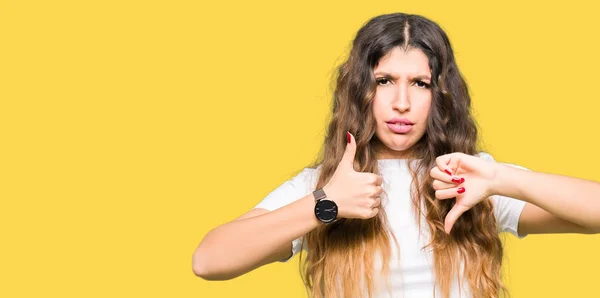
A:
(416, 77)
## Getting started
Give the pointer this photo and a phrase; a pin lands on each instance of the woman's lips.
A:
(399, 127)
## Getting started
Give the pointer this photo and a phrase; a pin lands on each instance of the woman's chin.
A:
(397, 150)
(399, 146)
(395, 145)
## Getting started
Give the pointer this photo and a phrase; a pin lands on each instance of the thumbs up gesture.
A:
(356, 194)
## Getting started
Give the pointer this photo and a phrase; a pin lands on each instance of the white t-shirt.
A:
(413, 276)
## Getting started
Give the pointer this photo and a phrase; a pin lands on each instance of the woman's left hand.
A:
(466, 178)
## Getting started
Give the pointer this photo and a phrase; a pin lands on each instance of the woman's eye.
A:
(422, 84)
(382, 81)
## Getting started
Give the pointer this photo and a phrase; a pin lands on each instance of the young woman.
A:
(402, 203)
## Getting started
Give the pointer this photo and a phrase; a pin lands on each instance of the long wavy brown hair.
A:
(341, 256)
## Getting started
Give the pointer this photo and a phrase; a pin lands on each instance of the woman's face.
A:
(402, 100)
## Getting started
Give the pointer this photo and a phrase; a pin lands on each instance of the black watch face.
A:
(326, 211)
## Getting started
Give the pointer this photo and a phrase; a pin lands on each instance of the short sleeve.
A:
(288, 192)
(506, 210)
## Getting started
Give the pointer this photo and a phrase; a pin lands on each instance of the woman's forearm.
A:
(573, 199)
(240, 246)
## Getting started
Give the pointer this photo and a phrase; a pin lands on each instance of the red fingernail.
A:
(448, 172)
(461, 190)
(349, 138)
(458, 180)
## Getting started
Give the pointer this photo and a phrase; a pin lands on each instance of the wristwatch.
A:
(325, 209)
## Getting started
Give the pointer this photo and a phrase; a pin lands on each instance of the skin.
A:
(403, 78)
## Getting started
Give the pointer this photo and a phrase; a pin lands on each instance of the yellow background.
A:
(129, 129)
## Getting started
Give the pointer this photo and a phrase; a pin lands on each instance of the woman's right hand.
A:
(357, 195)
